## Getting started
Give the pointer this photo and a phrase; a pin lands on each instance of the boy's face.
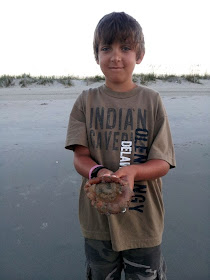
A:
(117, 62)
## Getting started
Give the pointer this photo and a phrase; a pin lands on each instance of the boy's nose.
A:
(115, 56)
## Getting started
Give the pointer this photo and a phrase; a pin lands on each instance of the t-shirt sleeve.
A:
(162, 146)
(76, 132)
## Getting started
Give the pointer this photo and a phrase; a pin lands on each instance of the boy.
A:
(121, 129)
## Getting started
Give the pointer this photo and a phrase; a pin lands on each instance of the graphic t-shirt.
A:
(119, 129)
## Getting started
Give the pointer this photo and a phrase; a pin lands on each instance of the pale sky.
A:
(54, 37)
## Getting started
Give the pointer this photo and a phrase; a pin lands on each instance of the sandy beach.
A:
(40, 236)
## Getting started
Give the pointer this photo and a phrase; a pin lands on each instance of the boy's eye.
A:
(105, 49)
(126, 48)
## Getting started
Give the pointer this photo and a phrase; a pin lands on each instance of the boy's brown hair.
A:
(119, 27)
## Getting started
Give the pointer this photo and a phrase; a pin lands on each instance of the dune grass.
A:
(7, 81)
(152, 77)
(94, 79)
(26, 80)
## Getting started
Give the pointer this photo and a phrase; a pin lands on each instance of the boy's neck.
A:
(121, 87)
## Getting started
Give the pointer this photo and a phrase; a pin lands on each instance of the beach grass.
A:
(94, 79)
(7, 81)
(144, 79)
(26, 80)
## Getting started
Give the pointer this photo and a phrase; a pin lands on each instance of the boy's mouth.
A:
(116, 68)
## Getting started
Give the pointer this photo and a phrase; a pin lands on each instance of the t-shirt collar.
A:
(116, 94)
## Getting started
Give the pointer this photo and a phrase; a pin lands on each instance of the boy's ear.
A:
(139, 60)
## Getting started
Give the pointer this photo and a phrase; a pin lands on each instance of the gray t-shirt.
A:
(123, 128)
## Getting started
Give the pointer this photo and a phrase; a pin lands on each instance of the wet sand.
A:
(40, 236)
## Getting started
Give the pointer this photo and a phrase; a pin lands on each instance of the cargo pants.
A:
(138, 264)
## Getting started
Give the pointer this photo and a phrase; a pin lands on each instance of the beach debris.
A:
(44, 226)
(109, 194)
(18, 242)
(18, 228)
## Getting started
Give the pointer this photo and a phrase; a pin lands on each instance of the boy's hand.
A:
(109, 194)
(104, 172)
(126, 173)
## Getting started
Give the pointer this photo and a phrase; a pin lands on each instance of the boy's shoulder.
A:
(149, 91)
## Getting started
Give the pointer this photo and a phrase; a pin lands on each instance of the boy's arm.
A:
(150, 170)
(83, 162)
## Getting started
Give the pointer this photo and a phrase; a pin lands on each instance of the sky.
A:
(54, 37)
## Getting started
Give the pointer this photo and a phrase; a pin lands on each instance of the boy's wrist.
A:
(94, 171)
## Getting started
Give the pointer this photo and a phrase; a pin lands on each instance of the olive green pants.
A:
(138, 264)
